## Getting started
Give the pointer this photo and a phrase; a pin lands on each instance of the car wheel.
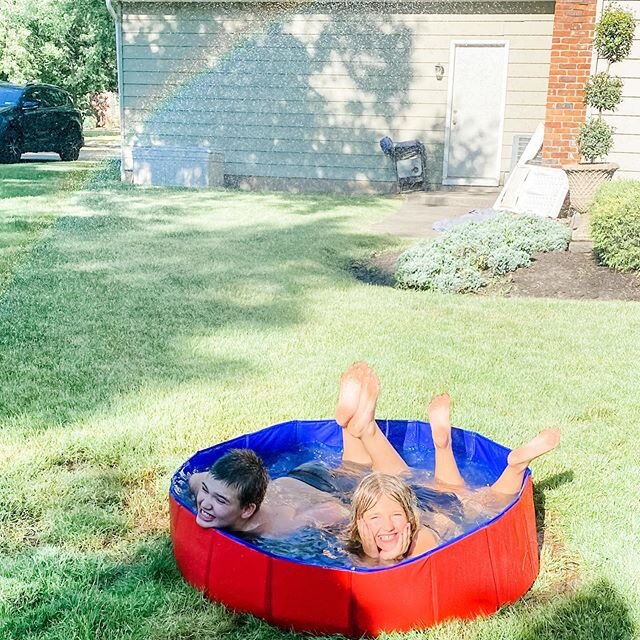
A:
(11, 148)
(71, 145)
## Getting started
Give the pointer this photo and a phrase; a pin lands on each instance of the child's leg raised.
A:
(348, 400)
(363, 426)
(510, 481)
(446, 471)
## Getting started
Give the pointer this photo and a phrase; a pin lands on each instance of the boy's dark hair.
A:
(243, 470)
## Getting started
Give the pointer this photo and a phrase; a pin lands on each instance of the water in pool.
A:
(324, 546)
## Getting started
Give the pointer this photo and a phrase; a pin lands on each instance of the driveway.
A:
(99, 145)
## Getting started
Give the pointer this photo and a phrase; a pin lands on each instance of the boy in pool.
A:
(236, 494)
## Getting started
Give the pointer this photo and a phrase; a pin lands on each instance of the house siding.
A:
(301, 96)
(626, 119)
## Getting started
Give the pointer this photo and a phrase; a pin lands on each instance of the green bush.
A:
(603, 92)
(613, 40)
(466, 257)
(614, 34)
(615, 225)
(595, 139)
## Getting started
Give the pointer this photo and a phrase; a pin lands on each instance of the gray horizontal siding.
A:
(248, 96)
(284, 129)
(274, 69)
(138, 58)
(153, 93)
(270, 170)
(308, 94)
(333, 148)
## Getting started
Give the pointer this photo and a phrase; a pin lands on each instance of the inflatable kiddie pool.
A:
(472, 575)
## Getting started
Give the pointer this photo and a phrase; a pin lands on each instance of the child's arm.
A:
(195, 482)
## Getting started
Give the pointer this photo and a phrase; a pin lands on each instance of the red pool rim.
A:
(474, 574)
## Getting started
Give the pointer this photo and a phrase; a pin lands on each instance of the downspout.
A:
(118, 24)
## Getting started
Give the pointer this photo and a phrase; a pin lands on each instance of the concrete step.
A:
(466, 189)
(460, 200)
(581, 246)
(581, 231)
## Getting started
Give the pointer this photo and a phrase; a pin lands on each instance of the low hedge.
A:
(467, 256)
(615, 225)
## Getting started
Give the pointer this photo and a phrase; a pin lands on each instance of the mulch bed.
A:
(559, 274)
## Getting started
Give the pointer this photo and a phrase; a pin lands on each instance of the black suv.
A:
(38, 117)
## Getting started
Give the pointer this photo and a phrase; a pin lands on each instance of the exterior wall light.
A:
(439, 72)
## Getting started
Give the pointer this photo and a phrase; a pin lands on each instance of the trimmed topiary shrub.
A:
(613, 40)
(466, 257)
(614, 217)
(614, 34)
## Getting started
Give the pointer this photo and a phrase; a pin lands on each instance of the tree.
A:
(70, 43)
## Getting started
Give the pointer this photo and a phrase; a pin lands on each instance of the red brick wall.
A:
(571, 49)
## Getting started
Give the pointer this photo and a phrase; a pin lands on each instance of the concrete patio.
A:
(421, 209)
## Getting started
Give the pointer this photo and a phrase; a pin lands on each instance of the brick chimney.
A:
(571, 50)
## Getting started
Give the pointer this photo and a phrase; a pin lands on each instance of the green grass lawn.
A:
(140, 324)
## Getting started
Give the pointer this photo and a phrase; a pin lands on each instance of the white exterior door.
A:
(475, 112)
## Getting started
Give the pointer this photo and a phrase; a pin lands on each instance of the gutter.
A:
(117, 17)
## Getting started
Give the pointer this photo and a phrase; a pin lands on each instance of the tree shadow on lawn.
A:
(565, 572)
(539, 489)
(29, 179)
(141, 594)
(597, 611)
(123, 290)
(17, 233)
(59, 593)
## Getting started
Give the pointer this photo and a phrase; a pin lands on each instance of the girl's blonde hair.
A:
(368, 492)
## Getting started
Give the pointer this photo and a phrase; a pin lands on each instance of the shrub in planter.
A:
(603, 92)
(615, 225)
(467, 256)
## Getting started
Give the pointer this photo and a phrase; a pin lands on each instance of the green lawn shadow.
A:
(143, 595)
(111, 299)
(597, 611)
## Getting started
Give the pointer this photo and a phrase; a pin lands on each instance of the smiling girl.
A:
(390, 521)
(385, 522)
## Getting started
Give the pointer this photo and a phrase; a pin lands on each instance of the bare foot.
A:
(439, 411)
(349, 395)
(363, 422)
(545, 441)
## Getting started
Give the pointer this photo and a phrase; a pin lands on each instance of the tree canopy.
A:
(69, 43)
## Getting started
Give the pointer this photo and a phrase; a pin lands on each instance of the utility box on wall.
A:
(177, 167)
(410, 161)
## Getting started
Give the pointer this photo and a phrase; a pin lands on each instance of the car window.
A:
(9, 96)
(34, 94)
(51, 97)
(60, 97)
